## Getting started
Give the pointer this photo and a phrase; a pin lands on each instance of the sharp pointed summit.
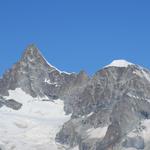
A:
(36, 76)
(31, 48)
(33, 55)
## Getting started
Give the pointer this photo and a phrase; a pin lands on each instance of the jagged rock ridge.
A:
(37, 77)
(117, 98)
(110, 111)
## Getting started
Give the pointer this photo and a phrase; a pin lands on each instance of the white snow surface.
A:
(119, 63)
(143, 132)
(138, 73)
(146, 75)
(75, 148)
(34, 126)
(146, 131)
(55, 67)
(97, 132)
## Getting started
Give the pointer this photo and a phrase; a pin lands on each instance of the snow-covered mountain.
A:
(36, 76)
(112, 112)
(30, 106)
(42, 107)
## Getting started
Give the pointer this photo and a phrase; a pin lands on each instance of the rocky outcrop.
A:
(38, 78)
(117, 97)
(10, 103)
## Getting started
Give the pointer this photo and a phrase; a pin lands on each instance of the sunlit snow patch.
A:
(34, 126)
(97, 132)
(119, 63)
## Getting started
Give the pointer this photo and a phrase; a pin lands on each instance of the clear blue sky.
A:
(76, 34)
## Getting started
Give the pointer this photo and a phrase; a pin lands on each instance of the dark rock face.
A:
(111, 138)
(13, 104)
(10, 103)
(69, 135)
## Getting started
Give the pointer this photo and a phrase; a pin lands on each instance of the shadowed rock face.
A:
(10, 103)
(105, 108)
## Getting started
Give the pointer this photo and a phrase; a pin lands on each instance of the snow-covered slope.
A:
(34, 126)
(119, 63)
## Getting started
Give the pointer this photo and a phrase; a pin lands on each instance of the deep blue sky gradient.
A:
(76, 34)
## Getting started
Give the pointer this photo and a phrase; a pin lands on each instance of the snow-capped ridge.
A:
(56, 68)
(119, 63)
(32, 50)
(140, 71)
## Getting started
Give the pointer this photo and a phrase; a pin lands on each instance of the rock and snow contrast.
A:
(43, 108)
(34, 126)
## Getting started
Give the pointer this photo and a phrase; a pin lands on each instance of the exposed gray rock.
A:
(88, 144)
(10, 103)
(115, 97)
(134, 142)
(112, 137)
(69, 135)
(38, 78)
(13, 104)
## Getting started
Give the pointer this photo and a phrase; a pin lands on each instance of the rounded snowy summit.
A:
(119, 63)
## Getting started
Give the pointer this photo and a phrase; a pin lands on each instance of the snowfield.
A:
(34, 126)
(97, 132)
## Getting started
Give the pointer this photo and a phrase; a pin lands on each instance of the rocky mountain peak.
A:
(35, 76)
(31, 49)
(29, 73)
(33, 55)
